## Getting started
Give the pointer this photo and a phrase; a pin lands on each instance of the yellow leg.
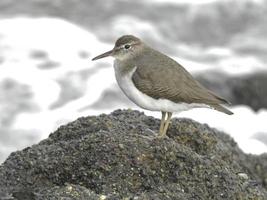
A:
(167, 122)
(162, 122)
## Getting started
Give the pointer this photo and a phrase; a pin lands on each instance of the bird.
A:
(156, 82)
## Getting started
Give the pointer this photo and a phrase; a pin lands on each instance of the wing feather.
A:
(172, 82)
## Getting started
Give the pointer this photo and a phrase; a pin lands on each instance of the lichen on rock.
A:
(118, 156)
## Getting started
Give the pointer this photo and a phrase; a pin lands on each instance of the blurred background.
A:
(47, 77)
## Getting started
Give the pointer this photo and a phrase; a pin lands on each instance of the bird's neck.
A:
(124, 67)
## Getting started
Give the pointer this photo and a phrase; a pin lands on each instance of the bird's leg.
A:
(162, 122)
(167, 122)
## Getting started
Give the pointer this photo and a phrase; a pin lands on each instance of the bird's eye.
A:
(127, 46)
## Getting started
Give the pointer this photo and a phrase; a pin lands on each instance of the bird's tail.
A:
(220, 108)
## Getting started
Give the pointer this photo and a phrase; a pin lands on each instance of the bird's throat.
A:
(124, 67)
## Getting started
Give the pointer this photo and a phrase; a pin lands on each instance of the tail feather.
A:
(222, 100)
(220, 108)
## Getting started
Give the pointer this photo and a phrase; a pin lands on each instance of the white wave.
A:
(60, 39)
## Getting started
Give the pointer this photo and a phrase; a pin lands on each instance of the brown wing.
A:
(164, 78)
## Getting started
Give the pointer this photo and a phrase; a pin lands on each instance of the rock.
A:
(248, 89)
(117, 156)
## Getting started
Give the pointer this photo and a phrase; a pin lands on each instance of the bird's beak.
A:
(103, 55)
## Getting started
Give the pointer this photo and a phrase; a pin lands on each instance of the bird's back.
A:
(163, 78)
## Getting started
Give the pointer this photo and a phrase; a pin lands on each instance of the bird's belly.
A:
(141, 99)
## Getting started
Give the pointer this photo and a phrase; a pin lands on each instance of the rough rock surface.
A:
(117, 156)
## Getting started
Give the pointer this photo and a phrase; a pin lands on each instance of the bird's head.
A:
(127, 46)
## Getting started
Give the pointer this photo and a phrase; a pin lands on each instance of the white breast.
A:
(141, 99)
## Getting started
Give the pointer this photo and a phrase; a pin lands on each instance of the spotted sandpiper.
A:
(156, 82)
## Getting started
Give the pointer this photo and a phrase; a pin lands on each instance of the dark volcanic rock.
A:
(117, 156)
(248, 90)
